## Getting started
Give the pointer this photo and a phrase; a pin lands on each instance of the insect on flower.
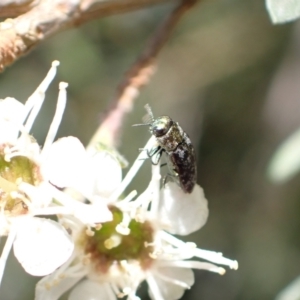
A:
(178, 147)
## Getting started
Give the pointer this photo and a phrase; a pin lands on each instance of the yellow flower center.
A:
(107, 247)
(18, 169)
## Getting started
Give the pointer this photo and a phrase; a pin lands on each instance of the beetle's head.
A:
(160, 126)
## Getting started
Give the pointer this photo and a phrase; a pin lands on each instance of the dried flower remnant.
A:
(137, 245)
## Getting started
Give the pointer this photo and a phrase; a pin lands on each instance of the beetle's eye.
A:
(159, 131)
(161, 126)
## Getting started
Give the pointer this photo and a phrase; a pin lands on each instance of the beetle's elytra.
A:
(179, 150)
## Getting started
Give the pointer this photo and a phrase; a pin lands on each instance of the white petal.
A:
(183, 213)
(103, 175)
(181, 274)
(45, 291)
(40, 196)
(290, 292)
(282, 11)
(11, 117)
(169, 290)
(92, 213)
(285, 162)
(88, 213)
(65, 163)
(91, 290)
(11, 109)
(41, 245)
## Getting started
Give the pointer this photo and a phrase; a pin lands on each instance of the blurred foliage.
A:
(214, 78)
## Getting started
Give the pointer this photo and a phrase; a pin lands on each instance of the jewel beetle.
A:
(179, 150)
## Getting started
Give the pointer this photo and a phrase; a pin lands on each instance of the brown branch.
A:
(139, 73)
(38, 19)
(12, 8)
(138, 76)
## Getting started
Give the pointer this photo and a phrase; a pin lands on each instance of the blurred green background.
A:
(230, 78)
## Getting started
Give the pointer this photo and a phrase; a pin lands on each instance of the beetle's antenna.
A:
(142, 124)
(148, 118)
(149, 111)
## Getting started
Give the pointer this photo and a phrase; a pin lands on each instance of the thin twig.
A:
(36, 20)
(136, 77)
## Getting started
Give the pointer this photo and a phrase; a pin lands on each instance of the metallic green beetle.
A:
(178, 148)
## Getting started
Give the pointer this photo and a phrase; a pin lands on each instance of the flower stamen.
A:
(123, 228)
(89, 231)
(127, 199)
(36, 100)
(173, 281)
(133, 170)
(60, 108)
(112, 242)
(7, 247)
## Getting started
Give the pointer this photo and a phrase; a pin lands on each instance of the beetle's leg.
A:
(174, 177)
(166, 177)
(153, 151)
(156, 158)
(155, 154)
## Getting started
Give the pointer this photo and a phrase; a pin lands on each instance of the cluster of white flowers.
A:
(102, 247)
(28, 176)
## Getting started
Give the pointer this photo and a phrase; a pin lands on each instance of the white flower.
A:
(282, 11)
(43, 258)
(291, 291)
(27, 176)
(136, 245)
(285, 162)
